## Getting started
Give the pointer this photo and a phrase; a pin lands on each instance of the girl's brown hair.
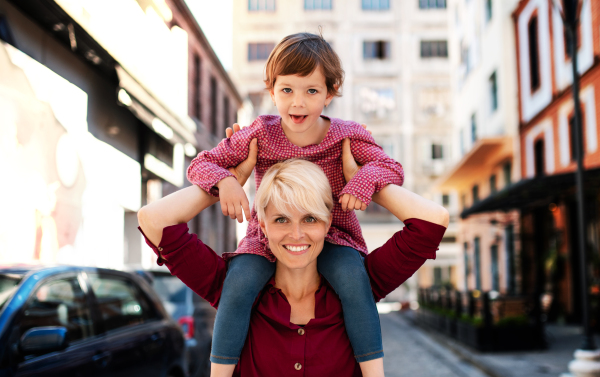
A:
(300, 54)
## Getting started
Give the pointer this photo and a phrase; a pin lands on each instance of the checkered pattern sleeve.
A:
(378, 169)
(210, 167)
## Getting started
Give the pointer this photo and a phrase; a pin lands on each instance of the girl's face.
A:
(295, 240)
(300, 101)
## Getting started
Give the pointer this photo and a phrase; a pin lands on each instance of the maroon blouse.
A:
(276, 347)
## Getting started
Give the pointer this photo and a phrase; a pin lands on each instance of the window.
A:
(463, 201)
(259, 51)
(261, 5)
(436, 152)
(463, 149)
(493, 84)
(437, 276)
(495, 272)
(475, 192)
(317, 4)
(534, 63)
(59, 303)
(375, 4)
(432, 4)
(226, 119)
(197, 85)
(509, 236)
(473, 128)
(507, 172)
(466, 261)
(488, 10)
(376, 103)
(434, 49)
(538, 154)
(213, 105)
(120, 302)
(493, 184)
(376, 50)
(477, 254)
(445, 200)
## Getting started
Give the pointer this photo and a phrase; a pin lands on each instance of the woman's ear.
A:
(329, 224)
(262, 227)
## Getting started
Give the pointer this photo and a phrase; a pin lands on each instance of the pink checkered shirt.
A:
(378, 170)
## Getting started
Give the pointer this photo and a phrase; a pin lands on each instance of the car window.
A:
(59, 302)
(170, 288)
(120, 302)
(8, 286)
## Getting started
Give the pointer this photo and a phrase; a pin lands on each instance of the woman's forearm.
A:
(177, 208)
(405, 204)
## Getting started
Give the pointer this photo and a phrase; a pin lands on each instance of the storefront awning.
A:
(534, 192)
(485, 154)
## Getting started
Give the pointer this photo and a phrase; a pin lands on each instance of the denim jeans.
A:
(344, 270)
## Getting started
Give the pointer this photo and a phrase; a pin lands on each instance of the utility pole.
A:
(587, 358)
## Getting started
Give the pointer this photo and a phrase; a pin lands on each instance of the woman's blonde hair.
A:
(295, 184)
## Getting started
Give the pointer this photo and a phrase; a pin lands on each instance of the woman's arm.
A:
(181, 206)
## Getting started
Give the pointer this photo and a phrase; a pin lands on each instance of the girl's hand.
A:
(350, 168)
(236, 127)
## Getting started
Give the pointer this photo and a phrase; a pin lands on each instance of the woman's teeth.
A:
(296, 248)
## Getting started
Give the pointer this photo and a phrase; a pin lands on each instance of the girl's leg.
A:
(247, 274)
(343, 268)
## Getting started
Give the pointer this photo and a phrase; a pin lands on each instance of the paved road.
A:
(411, 352)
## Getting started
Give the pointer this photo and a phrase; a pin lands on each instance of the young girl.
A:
(303, 74)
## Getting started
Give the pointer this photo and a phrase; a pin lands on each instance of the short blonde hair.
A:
(297, 184)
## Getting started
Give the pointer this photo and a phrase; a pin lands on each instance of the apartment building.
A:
(395, 56)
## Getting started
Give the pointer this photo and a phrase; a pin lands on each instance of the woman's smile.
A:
(297, 249)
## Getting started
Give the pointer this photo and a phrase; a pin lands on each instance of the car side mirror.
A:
(40, 340)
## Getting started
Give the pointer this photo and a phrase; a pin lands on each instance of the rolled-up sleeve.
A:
(378, 169)
(194, 263)
(402, 255)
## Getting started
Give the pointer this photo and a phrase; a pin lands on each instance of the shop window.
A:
(466, 262)
(477, 261)
(434, 49)
(261, 5)
(534, 60)
(317, 4)
(376, 50)
(437, 276)
(226, 120)
(259, 51)
(495, 271)
(445, 200)
(375, 4)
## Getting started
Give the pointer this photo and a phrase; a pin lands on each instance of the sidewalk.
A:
(562, 342)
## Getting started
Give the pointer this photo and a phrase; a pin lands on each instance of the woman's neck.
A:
(297, 284)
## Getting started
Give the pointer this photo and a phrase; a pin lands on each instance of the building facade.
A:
(486, 124)
(95, 122)
(397, 81)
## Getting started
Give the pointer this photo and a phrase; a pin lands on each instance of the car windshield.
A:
(170, 288)
(8, 286)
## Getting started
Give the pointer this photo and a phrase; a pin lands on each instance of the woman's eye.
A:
(311, 219)
(312, 91)
(280, 220)
(287, 90)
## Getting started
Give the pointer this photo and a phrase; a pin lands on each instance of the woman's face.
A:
(296, 240)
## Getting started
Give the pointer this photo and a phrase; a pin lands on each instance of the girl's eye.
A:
(312, 91)
(287, 90)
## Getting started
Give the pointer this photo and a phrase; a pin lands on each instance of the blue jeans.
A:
(344, 270)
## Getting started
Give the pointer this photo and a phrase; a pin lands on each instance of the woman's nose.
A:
(297, 232)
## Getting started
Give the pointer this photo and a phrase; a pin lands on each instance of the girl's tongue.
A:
(298, 118)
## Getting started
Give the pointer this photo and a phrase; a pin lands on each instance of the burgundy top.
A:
(274, 346)
(378, 170)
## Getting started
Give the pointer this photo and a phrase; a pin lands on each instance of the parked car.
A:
(77, 321)
(192, 312)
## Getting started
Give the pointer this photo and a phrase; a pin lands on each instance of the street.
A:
(409, 351)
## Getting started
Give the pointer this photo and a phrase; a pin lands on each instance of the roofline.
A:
(187, 13)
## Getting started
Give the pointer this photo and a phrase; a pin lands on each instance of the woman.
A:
(297, 326)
